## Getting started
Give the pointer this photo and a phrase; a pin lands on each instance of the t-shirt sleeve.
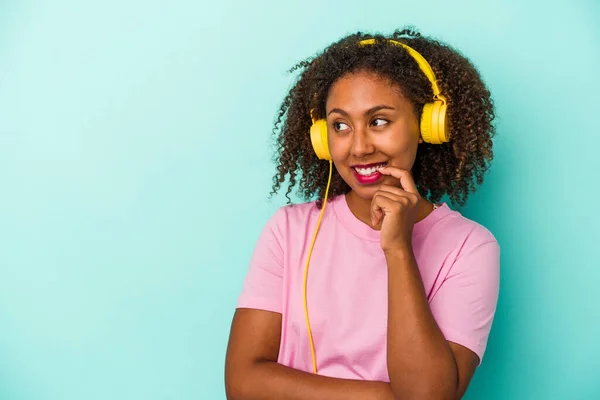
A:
(465, 304)
(263, 285)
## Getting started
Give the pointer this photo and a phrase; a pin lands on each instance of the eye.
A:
(381, 122)
(339, 126)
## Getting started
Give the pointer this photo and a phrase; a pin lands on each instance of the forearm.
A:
(420, 361)
(269, 380)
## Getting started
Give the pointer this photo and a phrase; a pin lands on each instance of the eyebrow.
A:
(369, 111)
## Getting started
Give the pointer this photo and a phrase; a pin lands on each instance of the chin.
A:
(365, 192)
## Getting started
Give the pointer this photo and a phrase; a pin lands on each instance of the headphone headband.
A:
(423, 64)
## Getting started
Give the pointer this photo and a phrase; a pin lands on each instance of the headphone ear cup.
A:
(318, 137)
(426, 123)
(439, 120)
(434, 124)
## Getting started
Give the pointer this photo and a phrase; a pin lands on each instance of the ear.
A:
(420, 139)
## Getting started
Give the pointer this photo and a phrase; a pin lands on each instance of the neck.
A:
(361, 208)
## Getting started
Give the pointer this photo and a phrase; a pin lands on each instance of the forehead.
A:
(362, 90)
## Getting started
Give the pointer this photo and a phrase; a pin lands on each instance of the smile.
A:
(369, 169)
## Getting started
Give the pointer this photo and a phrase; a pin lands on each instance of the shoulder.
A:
(291, 217)
(454, 223)
(462, 234)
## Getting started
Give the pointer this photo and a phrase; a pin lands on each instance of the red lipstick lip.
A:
(366, 180)
(370, 179)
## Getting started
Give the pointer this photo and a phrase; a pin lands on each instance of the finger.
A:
(406, 180)
(381, 203)
(414, 198)
(384, 202)
(400, 197)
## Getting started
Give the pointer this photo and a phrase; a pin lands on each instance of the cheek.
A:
(401, 139)
(339, 154)
(401, 150)
(398, 145)
(338, 148)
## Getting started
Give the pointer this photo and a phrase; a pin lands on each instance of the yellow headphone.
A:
(434, 125)
(434, 130)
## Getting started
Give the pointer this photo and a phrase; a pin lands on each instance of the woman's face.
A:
(370, 124)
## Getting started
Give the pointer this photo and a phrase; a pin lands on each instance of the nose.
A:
(362, 144)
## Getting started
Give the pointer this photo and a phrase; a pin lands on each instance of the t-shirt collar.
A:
(360, 229)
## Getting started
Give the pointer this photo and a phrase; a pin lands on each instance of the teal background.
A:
(135, 165)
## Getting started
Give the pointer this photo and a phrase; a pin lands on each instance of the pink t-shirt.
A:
(347, 285)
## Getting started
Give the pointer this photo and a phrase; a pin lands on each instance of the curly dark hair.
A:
(454, 168)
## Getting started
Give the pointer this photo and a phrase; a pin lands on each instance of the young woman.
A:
(401, 292)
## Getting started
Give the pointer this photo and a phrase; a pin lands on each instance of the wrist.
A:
(400, 251)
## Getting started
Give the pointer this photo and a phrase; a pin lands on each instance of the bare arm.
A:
(421, 362)
(252, 371)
